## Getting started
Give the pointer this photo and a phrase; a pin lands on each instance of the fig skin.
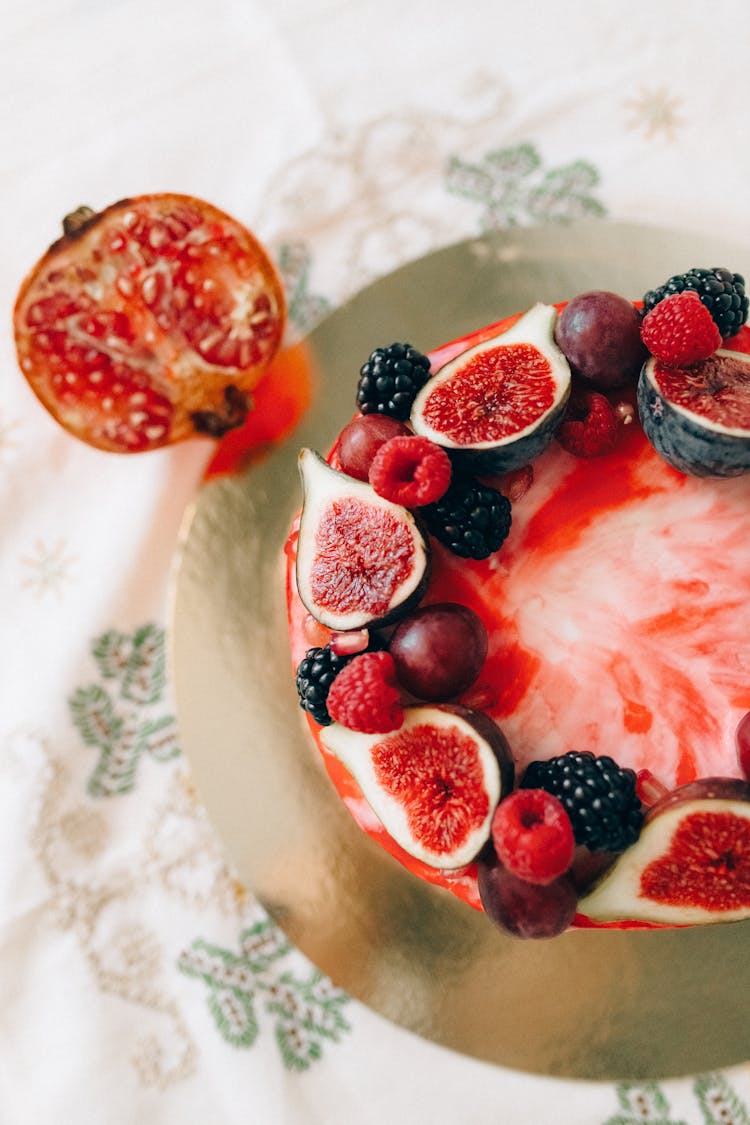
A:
(487, 729)
(704, 788)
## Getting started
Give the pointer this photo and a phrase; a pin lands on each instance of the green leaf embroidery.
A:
(719, 1103)
(307, 1012)
(513, 187)
(159, 738)
(235, 1016)
(94, 714)
(112, 652)
(304, 308)
(145, 673)
(119, 722)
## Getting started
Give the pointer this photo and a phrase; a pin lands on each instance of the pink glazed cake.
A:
(548, 721)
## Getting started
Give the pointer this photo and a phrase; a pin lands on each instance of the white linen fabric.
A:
(138, 979)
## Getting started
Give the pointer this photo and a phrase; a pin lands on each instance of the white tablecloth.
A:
(138, 980)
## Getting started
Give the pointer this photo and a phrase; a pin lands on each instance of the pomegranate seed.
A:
(648, 788)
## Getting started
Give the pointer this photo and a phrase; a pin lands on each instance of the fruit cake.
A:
(517, 592)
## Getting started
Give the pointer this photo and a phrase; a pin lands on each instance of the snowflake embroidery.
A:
(306, 1012)
(8, 441)
(654, 113)
(49, 568)
(119, 723)
(514, 188)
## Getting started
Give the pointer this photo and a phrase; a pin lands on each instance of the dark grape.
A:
(599, 334)
(361, 439)
(439, 650)
(525, 910)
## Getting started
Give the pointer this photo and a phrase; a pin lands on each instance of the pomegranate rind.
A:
(469, 786)
(357, 592)
(690, 865)
(162, 356)
(498, 403)
(697, 443)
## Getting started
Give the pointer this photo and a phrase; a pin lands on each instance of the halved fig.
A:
(434, 783)
(497, 404)
(698, 418)
(361, 560)
(690, 865)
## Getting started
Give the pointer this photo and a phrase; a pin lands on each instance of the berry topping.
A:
(722, 292)
(316, 672)
(364, 696)
(319, 667)
(390, 379)
(680, 330)
(591, 426)
(599, 797)
(533, 836)
(649, 788)
(362, 438)
(471, 519)
(411, 471)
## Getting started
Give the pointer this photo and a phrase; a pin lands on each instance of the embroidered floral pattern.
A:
(306, 1011)
(305, 308)
(646, 1103)
(117, 719)
(514, 188)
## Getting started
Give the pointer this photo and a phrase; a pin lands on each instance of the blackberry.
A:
(599, 797)
(722, 292)
(471, 519)
(389, 380)
(316, 672)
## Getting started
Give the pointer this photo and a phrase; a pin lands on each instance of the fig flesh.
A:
(361, 560)
(496, 406)
(433, 784)
(690, 865)
(698, 418)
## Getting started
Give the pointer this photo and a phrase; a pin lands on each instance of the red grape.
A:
(439, 650)
(361, 439)
(525, 910)
(600, 335)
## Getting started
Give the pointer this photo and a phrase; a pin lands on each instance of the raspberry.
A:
(591, 426)
(533, 836)
(410, 471)
(390, 379)
(364, 696)
(599, 797)
(471, 519)
(722, 292)
(680, 330)
(319, 667)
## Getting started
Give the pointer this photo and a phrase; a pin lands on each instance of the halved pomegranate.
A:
(149, 322)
